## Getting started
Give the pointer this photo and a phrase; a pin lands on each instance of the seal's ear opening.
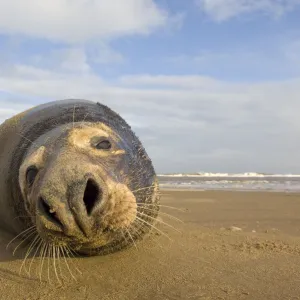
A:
(92, 195)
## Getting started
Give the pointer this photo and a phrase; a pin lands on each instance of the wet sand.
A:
(207, 260)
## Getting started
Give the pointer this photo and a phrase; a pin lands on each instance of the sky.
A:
(207, 85)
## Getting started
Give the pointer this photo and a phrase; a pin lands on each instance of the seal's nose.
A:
(73, 213)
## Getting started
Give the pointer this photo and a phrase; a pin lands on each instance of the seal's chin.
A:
(76, 243)
(89, 216)
(80, 244)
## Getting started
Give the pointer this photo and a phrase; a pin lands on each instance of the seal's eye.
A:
(103, 145)
(31, 175)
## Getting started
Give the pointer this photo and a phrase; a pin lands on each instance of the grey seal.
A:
(74, 174)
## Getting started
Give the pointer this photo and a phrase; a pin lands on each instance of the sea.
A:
(231, 182)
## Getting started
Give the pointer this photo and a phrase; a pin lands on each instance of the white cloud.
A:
(10, 105)
(73, 59)
(191, 82)
(291, 51)
(77, 59)
(102, 53)
(78, 21)
(236, 61)
(221, 10)
(5, 112)
(219, 125)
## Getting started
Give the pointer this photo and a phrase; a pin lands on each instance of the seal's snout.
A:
(72, 213)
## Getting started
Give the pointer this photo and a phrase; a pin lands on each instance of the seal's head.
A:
(88, 186)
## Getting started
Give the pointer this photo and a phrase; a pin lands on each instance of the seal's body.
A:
(75, 172)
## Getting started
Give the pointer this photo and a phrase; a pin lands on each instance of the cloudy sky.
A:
(208, 85)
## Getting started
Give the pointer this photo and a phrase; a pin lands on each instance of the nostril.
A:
(49, 212)
(92, 195)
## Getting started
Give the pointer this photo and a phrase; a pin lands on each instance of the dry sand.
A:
(205, 261)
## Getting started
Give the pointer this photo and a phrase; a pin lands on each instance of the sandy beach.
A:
(231, 245)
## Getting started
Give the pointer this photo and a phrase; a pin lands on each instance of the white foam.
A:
(232, 175)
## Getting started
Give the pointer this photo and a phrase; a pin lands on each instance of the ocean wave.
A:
(232, 175)
(285, 186)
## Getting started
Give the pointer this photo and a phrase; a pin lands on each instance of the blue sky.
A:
(214, 82)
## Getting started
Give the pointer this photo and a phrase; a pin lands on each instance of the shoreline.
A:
(174, 189)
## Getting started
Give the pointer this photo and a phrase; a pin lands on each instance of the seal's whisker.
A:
(30, 141)
(145, 193)
(35, 253)
(40, 258)
(70, 251)
(131, 238)
(43, 255)
(25, 238)
(157, 220)
(136, 230)
(149, 224)
(54, 263)
(67, 264)
(160, 205)
(30, 248)
(124, 237)
(156, 204)
(48, 258)
(144, 188)
(58, 254)
(74, 115)
(147, 236)
(23, 232)
(162, 213)
(84, 118)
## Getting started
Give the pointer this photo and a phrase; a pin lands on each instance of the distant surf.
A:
(249, 181)
(234, 175)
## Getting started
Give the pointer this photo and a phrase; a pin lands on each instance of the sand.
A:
(258, 258)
